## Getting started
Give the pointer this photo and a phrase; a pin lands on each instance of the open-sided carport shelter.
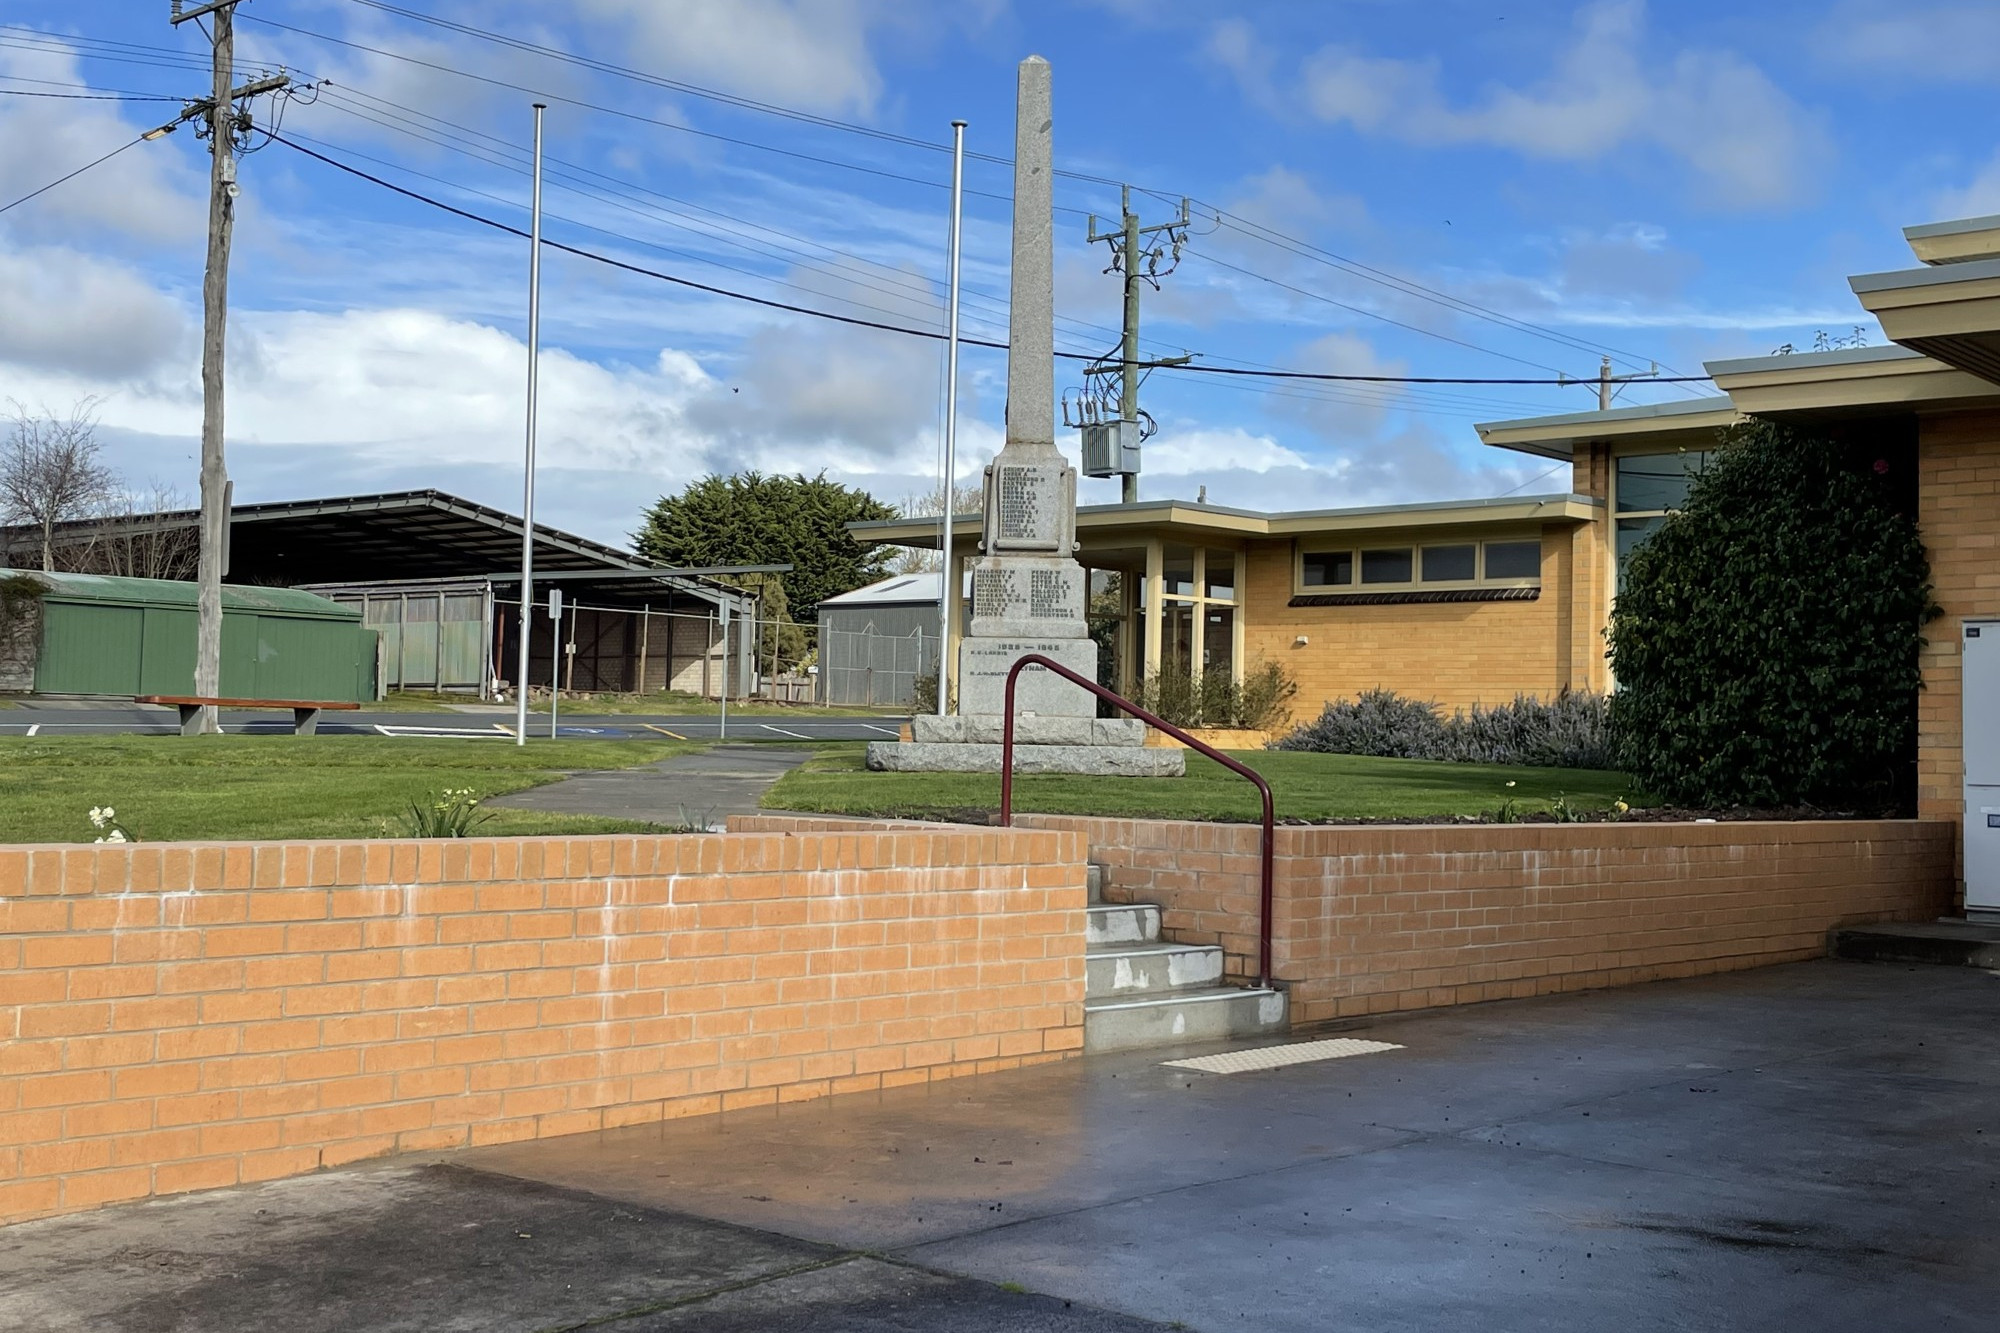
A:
(437, 576)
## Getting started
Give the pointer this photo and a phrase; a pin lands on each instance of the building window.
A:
(1194, 614)
(1657, 483)
(1326, 569)
(1386, 566)
(1645, 489)
(1451, 564)
(1514, 562)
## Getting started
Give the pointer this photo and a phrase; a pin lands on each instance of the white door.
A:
(1980, 685)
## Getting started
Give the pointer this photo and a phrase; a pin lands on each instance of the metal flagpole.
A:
(528, 481)
(945, 579)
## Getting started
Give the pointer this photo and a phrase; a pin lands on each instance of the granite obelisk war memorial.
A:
(1028, 591)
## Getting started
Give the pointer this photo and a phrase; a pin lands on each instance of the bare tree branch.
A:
(50, 473)
(921, 560)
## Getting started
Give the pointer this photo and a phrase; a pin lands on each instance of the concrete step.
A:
(1096, 882)
(1219, 1013)
(1952, 943)
(1129, 971)
(1121, 923)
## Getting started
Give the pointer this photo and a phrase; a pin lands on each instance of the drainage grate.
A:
(1276, 1057)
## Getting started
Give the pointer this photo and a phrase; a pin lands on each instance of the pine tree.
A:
(753, 519)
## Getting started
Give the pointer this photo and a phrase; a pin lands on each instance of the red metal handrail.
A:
(1200, 747)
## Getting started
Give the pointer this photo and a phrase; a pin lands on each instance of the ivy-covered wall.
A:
(20, 631)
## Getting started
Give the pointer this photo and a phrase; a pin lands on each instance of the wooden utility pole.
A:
(225, 122)
(1138, 266)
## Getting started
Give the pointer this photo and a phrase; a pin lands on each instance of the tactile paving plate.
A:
(1277, 1057)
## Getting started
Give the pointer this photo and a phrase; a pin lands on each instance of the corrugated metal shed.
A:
(105, 635)
(118, 591)
(875, 642)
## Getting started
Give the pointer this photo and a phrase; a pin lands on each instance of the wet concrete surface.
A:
(1815, 1145)
(431, 1248)
(698, 790)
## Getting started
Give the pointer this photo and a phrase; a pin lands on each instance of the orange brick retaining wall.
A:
(175, 1017)
(1377, 918)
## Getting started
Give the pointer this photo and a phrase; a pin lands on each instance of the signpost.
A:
(555, 656)
(722, 617)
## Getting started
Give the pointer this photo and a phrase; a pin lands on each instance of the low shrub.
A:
(1212, 699)
(1568, 731)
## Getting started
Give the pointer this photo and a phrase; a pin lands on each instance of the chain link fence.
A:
(869, 667)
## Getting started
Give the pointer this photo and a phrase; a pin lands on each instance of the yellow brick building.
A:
(1475, 602)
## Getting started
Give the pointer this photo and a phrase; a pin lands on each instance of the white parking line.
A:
(799, 736)
(32, 730)
(886, 731)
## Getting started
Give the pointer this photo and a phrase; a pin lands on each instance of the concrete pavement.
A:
(1808, 1146)
(691, 790)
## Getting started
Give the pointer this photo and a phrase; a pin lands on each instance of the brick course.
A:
(182, 1016)
(1370, 919)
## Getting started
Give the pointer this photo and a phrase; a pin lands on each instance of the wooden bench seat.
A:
(305, 712)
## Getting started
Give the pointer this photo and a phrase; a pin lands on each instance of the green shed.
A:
(121, 636)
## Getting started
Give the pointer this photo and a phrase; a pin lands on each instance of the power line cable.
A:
(515, 161)
(632, 115)
(92, 88)
(827, 122)
(677, 280)
(1254, 230)
(34, 194)
(1369, 314)
(1408, 286)
(508, 151)
(698, 90)
(620, 236)
(504, 155)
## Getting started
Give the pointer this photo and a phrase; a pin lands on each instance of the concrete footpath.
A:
(1812, 1146)
(691, 790)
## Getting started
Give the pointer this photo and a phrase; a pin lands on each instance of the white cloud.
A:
(148, 191)
(805, 53)
(1186, 450)
(68, 311)
(1977, 198)
(1743, 138)
(1923, 41)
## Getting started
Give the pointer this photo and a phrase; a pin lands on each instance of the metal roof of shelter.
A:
(110, 590)
(403, 537)
(361, 538)
(918, 589)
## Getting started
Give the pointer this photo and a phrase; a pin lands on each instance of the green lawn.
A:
(168, 788)
(1305, 786)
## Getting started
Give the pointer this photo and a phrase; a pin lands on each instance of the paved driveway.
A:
(1815, 1146)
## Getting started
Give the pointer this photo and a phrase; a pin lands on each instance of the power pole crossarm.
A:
(1138, 266)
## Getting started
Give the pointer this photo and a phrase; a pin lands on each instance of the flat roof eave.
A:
(1222, 521)
(1558, 436)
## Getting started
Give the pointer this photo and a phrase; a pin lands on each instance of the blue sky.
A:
(1380, 188)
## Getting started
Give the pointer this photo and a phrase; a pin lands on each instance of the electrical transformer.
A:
(1111, 449)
